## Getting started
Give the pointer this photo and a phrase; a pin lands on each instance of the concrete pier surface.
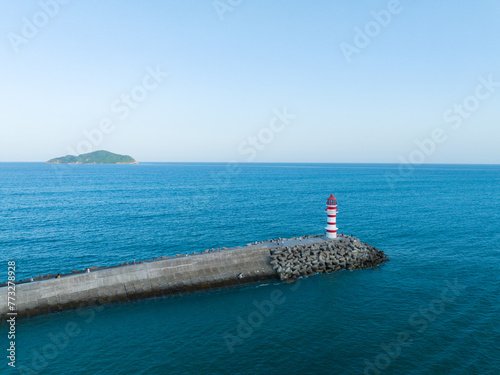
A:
(164, 277)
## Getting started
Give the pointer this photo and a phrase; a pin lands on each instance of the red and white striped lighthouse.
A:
(331, 221)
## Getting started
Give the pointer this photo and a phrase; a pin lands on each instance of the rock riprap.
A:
(292, 262)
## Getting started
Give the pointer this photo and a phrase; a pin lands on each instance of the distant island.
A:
(96, 157)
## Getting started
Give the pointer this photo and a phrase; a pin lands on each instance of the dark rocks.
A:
(292, 262)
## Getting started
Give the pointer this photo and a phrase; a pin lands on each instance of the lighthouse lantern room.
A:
(331, 210)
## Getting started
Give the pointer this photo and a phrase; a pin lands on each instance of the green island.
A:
(96, 157)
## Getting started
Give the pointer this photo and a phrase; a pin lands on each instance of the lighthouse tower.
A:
(331, 210)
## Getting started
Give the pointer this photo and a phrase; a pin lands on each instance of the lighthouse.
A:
(331, 221)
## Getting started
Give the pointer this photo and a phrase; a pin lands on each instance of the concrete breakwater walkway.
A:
(189, 274)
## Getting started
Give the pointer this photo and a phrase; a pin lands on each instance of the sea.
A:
(433, 309)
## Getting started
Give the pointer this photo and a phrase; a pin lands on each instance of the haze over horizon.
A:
(218, 81)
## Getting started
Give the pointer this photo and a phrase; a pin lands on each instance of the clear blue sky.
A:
(227, 76)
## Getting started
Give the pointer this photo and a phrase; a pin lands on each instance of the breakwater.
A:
(285, 259)
(348, 253)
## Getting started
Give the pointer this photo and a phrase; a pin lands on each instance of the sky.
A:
(251, 81)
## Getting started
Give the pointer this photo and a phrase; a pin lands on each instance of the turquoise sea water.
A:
(433, 309)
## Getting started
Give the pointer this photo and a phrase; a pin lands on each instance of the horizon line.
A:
(262, 162)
